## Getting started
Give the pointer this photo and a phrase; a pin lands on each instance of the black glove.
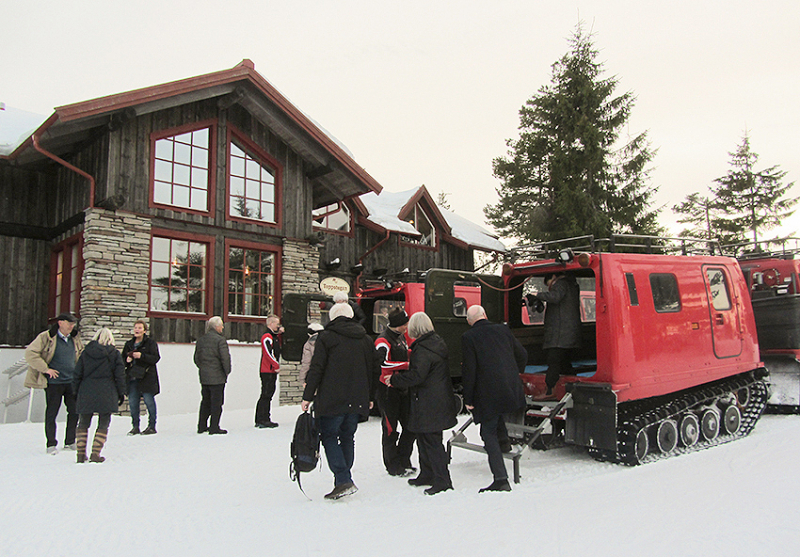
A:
(534, 303)
(121, 399)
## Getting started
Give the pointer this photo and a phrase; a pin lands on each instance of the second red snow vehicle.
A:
(773, 280)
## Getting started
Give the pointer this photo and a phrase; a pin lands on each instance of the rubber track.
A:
(645, 414)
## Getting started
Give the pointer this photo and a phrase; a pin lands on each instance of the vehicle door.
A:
(298, 311)
(448, 294)
(723, 306)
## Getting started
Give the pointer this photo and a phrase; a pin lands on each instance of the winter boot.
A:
(81, 440)
(97, 445)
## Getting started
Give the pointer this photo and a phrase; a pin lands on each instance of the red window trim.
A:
(66, 280)
(278, 251)
(432, 223)
(350, 234)
(210, 266)
(257, 152)
(212, 164)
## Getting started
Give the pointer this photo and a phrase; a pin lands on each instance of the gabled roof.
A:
(241, 84)
(385, 212)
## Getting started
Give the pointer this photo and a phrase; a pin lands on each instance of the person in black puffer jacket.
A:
(340, 381)
(433, 406)
(140, 355)
(99, 382)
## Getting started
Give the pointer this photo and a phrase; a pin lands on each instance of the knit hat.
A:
(397, 318)
(314, 328)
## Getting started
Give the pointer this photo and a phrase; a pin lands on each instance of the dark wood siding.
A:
(24, 289)
(391, 255)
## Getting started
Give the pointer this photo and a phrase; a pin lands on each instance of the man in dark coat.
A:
(562, 325)
(213, 360)
(340, 382)
(492, 360)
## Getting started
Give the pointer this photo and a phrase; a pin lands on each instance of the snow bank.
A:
(182, 494)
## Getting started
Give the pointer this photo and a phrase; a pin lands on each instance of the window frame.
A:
(244, 244)
(209, 241)
(352, 225)
(658, 308)
(263, 158)
(65, 247)
(212, 165)
(436, 232)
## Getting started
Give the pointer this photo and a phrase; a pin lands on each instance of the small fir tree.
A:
(750, 200)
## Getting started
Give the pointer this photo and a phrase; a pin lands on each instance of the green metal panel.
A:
(295, 323)
(448, 294)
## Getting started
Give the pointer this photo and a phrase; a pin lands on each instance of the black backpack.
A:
(305, 446)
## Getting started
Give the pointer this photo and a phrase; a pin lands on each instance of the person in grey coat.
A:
(99, 382)
(562, 325)
(213, 360)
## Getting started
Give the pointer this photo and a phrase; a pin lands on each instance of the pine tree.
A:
(565, 175)
(751, 200)
(701, 213)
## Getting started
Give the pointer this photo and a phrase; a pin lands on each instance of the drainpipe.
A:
(64, 163)
(366, 253)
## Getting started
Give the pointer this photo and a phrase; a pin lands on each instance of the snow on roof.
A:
(385, 208)
(471, 233)
(16, 126)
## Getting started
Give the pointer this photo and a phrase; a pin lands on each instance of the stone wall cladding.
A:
(300, 274)
(116, 255)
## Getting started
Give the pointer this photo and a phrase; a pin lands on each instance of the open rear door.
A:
(298, 311)
(448, 294)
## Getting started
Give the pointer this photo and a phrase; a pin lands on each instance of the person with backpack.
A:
(340, 382)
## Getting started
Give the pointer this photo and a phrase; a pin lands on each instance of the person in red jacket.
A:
(394, 404)
(270, 357)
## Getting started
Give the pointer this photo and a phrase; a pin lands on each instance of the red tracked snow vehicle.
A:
(670, 363)
(773, 278)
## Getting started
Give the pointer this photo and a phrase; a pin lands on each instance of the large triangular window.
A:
(419, 220)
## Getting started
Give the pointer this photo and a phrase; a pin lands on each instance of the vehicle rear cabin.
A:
(668, 361)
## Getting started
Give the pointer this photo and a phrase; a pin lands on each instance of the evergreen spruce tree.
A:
(750, 200)
(566, 175)
(702, 214)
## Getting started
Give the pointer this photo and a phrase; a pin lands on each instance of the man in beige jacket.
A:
(51, 361)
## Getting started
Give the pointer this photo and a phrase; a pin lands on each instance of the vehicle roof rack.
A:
(784, 248)
(620, 243)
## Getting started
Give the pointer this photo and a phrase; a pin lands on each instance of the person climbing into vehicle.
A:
(562, 326)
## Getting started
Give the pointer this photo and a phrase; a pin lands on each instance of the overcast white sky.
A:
(428, 92)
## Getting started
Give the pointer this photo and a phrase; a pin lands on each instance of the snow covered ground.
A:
(182, 494)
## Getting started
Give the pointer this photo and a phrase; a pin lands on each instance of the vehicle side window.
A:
(380, 317)
(632, 294)
(465, 294)
(718, 287)
(666, 297)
